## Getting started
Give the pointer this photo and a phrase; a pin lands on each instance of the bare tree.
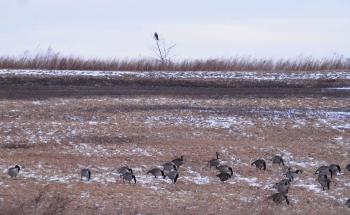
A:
(161, 50)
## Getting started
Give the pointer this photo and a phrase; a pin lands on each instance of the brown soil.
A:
(54, 131)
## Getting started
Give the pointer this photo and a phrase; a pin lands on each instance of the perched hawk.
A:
(156, 36)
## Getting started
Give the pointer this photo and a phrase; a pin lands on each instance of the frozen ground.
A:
(187, 75)
(54, 138)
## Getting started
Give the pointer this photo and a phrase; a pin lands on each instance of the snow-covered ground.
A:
(337, 120)
(187, 75)
(42, 173)
(199, 121)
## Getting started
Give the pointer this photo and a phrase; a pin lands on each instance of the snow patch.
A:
(306, 162)
(252, 181)
(101, 150)
(84, 195)
(211, 121)
(309, 186)
(337, 88)
(92, 123)
(196, 177)
(48, 176)
(36, 102)
(140, 151)
(216, 75)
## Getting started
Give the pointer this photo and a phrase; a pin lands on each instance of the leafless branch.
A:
(162, 51)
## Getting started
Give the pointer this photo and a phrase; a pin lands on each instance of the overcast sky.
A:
(200, 28)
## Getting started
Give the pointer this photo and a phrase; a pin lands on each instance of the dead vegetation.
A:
(144, 130)
(54, 61)
(43, 202)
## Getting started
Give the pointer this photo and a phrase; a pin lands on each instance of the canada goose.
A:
(178, 161)
(173, 175)
(13, 171)
(335, 168)
(282, 186)
(291, 174)
(348, 167)
(85, 175)
(156, 37)
(123, 170)
(279, 198)
(324, 170)
(260, 164)
(347, 203)
(324, 181)
(225, 169)
(224, 176)
(278, 160)
(169, 166)
(156, 172)
(128, 176)
(215, 161)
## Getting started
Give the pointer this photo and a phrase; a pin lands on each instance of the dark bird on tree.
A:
(156, 37)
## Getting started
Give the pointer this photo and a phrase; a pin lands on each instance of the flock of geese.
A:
(225, 172)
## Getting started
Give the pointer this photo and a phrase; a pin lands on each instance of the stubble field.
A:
(55, 125)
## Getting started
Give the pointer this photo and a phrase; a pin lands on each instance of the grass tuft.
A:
(54, 61)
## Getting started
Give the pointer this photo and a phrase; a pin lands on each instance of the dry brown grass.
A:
(43, 201)
(54, 61)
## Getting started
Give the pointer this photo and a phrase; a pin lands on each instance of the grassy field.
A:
(54, 61)
(53, 126)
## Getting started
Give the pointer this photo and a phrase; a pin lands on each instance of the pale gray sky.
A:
(200, 28)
